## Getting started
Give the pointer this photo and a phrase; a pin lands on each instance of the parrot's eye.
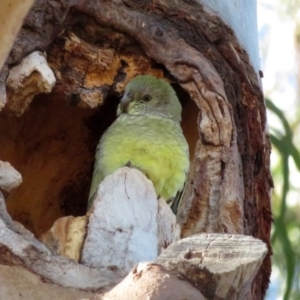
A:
(129, 94)
(147, 98)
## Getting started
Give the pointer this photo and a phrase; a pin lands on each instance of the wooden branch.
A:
(18, 246)
(221, 266)
(18, 282)
(226, 262)
(205, 266)
(152, 281)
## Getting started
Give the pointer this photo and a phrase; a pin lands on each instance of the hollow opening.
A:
(53, 143)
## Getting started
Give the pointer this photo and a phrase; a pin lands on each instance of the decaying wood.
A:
(94, 48)
(31, 77)
(66, 236)
(78, 65)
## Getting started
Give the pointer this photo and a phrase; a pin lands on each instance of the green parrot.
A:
(146, 135)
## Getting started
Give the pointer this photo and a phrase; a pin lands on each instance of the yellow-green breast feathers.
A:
(147, 135)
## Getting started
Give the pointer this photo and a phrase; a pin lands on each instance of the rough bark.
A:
(94, 48)
(12, 15)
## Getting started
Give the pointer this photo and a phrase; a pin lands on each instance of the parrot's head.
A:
(146, 94)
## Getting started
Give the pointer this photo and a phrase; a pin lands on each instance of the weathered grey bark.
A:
(94, 48)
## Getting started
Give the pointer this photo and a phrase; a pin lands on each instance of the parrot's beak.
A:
(124, 103)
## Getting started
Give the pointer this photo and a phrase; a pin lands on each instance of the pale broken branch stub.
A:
(31, 77)
(221, 266)
(127, 224)
(10, 178)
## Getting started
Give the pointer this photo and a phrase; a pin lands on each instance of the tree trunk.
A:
(59, 89)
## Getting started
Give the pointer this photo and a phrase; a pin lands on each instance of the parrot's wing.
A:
(94, 187)
(97, 178)
(177, 199)
(175, 203)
